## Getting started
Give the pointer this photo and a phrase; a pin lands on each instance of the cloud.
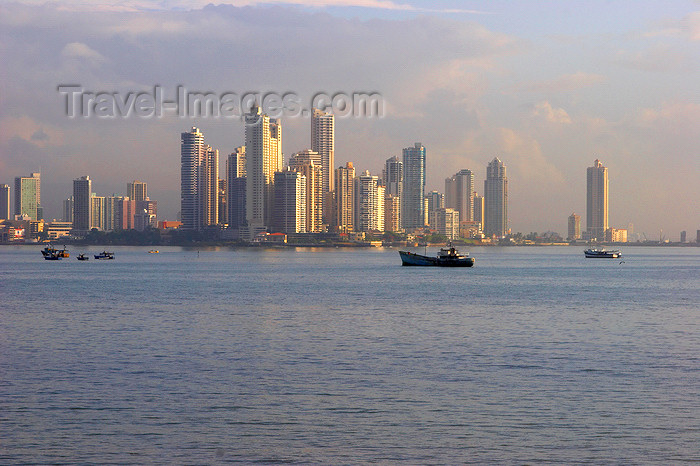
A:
(565, 83)
(80, 51)
(544, 110)
(660, 58)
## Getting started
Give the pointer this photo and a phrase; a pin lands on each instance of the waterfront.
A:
(343, 356)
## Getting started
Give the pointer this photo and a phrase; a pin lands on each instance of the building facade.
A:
(137, 190)
(308, 163)
(496, 199)
(446, 222)
(263, 142)
(368, 205)
(596, 200)
(290, 202)
(344, 198)
(574, 230)
(459, 194)
(82, 207)
(5, 202)
(28, 196)
(323, 143)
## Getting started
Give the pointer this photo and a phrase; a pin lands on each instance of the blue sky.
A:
(546, 86)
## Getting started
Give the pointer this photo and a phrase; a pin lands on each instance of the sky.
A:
(548, 87)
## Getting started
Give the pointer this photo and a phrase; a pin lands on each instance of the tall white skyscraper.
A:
(82, 204)
(496, 199)
(308, 163)
(290, 202)
(323, 143)
(412, 197)
(344, 198)
(367, 204)
(459, 194)
(208, 190)
(192, 151)
(263, 142)
(597, 200)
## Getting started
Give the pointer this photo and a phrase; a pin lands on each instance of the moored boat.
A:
(83, 257)
(153, 251)
(53, 256)
(104, 255)
(593, 253)
(446, 257)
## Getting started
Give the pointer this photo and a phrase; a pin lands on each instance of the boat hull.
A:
(603, 254)
(412, 259)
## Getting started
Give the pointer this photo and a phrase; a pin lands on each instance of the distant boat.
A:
(104, 255)
(592, 253)
(153, 251)
(51, 251)
(53, 256)
(83, 257)
(446, 257)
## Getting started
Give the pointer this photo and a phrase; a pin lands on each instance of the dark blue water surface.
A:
(342, 356)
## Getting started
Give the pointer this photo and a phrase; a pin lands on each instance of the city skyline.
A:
(546, 95)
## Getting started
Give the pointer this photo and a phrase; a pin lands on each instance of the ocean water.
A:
(342, 356)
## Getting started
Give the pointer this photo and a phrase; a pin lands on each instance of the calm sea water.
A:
(342, 356)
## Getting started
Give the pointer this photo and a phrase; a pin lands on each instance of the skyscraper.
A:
(412, 197)
(222, 199)
(597, 200)
(323, 143)
(344, 198)
(367, 204)
(459, 194)
(436, 200)
(263, 142)
(236, 188)
(97, 212)
(191, 156)
(496, 199)
(290, 202)
(308, 163)
(392, 177)
(574, 227)
(479, 208)
(4, 202)
(137, 190)
(28, 195)
(209, 187)
(82, 205)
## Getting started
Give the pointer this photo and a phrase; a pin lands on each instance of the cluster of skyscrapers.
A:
(262, 193)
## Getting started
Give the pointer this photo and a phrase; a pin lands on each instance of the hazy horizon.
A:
(546, 87)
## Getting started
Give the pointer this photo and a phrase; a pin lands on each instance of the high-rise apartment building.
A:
(597, 200)
(236, 188)
(459, 194)
(97, 212)
(5, 202)
(323, 143)
(412, 197)
(199, 181)
(191, 155)
(446, 222)
(308, 163)
(574, 227)
(290, 202)
(368, 205)
(392, 178)
(222, 199)
(344, 198)
(479, 208)
(496, 199)
(136, 190)
(435, 201)
(82, 205)
(392, 213)
(263, 146)
(28, 196)
(68, 210)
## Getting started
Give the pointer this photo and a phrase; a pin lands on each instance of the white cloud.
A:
(553, 115)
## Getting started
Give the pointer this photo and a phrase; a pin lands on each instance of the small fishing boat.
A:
(602, 254)
(104, 255)
(53, 256)
(51, 251)
(153, 251)
(446, 257)
(83, 257)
